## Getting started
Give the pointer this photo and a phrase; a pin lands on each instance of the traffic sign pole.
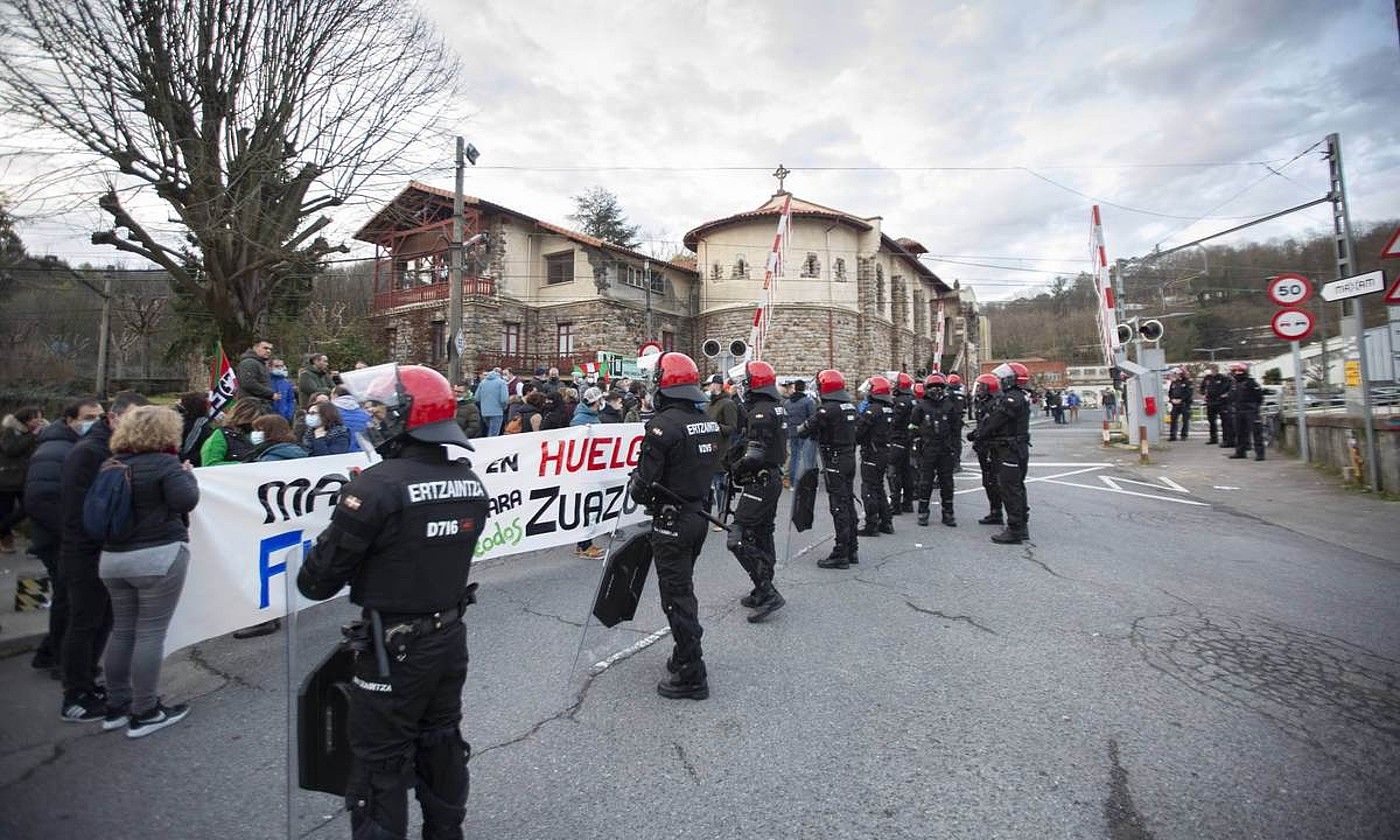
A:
(1302, 403)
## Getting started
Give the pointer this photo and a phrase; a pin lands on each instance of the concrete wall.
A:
(1329, 439)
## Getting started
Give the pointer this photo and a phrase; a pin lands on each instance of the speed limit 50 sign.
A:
(1290, 289)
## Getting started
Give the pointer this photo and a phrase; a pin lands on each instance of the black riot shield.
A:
(624, 577)
(323, 710)
(804, 500)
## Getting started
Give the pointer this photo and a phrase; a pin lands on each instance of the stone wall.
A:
(1329, 444)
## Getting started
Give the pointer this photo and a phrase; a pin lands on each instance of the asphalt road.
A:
(1157, 663)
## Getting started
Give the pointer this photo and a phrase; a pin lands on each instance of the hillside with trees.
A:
(1220, 290)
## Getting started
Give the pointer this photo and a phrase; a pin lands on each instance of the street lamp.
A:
(1211, 350)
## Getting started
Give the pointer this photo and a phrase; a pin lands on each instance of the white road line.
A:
(1055, 480)
(1167, 483)
(1041, 478)
(634, 648)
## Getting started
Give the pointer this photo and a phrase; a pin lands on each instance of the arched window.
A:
(839, 270)
(741, 268)
(811, 266)
(716, 272)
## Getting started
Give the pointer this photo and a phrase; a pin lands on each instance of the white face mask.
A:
(313, 420)
(85, 426)
(257, 436)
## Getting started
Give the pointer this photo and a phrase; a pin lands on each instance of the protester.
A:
(254, 382)
(586, 414)
(19, 435)
(89, 608)
(43, 485)
(1110, 404)
(278, 443)
(144, 569)
(801, 451)
(559, 409)
(723, 410)
(611, 412)
(233, 440)
(315, 377)
(1073, 401)
(468, 412)
(531, 412)
(641, 411)
(492, 396)
(325, 432)
(197, 426)
(284, 393)
(352, 415)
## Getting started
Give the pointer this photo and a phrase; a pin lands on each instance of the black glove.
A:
(972, 436)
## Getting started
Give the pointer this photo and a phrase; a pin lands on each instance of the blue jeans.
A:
(493, 424)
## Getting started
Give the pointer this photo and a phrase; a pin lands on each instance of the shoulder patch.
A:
(350, 502)
(656, 430)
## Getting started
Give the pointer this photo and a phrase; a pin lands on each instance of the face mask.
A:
(86, 426)
(278, 371)
(313, 420)
(256, 437)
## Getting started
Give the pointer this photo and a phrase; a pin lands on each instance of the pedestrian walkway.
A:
(19, 631)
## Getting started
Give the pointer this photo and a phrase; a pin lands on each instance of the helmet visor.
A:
(378, 390)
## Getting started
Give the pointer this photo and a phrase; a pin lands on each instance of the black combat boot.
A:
(907, 507)
(771, 600)
(834, 561)
(1010, 536)
(688, 683)
(993, 518)
(894, 507)
(751, 600)
(948, 518)
(887, 527)
(870, 529)
(1259, 457)
(923, 513)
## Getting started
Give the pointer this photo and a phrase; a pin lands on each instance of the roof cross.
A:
(781, 173)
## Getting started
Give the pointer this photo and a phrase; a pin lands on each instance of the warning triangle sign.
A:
(1392, 295)
(1391, 251)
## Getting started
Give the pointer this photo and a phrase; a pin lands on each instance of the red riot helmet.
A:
(880, 389)
(919, 390)
(677, 376)
(1023, 373)
(406, 401)
(990, 383)
(905, 383)
(1239, 367)
(831, 385)
(935, 380)
(761, 379)
(954, 379)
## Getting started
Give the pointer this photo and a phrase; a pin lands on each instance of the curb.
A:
(17, 645)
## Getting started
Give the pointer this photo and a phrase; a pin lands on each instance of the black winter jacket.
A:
(16, 445)
(79, 470)
(253, 378)
(162, 495)
(43, 486)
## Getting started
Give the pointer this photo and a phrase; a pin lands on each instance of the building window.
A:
(716, 272)
(510, 338)
(559, 268)
(811, 266)
(839, 270)
(668, 341)
(565, 344)
(658, 283)
(634, 276)
(741, 268)
(437, 342)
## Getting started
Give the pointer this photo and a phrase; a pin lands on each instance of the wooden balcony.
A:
(523, 364)
(419, 292)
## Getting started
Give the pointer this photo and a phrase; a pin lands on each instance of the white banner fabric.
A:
(547, 489)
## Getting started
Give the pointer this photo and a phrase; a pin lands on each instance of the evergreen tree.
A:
(598, 214)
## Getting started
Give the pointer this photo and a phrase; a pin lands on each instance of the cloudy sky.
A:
(980, 129)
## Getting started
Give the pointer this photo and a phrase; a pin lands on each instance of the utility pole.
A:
(1353, 330)
(104, 332)
(454, 300)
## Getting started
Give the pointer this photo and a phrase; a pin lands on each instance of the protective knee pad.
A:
(443, 782)
(734, 539)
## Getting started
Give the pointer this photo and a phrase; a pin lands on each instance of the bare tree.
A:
(249, 119)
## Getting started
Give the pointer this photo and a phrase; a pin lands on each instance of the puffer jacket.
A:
(79, 470)
(162, 495)
(17, 443)
(43, 485)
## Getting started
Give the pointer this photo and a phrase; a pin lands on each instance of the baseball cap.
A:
(715, 380)
(592, 395)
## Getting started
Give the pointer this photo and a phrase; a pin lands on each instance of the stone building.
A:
(540, 295)
(851, 297)
(537, 295)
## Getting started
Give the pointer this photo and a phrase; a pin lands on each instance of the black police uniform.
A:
(1215, 387)
(1180, 394)
(901, 469)
(1006, 432)
(680, 452)
(873, 431)
(758, 476)
(402, 535)
(1245, 398)
(833, 425)
(982, 404)
(937, 420)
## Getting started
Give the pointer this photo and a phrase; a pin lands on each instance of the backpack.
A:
(107, 509)
(515, 425)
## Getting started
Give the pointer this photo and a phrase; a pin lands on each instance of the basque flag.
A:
(222, 383)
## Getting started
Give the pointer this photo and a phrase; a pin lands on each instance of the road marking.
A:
(1055, 480)
(1090, 468)
(1169, 484)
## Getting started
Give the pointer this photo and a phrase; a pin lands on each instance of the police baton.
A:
(681, 503)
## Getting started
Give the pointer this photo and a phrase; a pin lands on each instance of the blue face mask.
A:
(86, 426)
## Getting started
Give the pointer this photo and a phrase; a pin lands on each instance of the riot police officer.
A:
(758, 475)
(402, 535)
(1006, 431)
(901, 470)
(1245, 399)
(679, 454)
(956, 394)
(1215, 387)
(834, 426)
(937, 420)
(873, 434)
(987, 387)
